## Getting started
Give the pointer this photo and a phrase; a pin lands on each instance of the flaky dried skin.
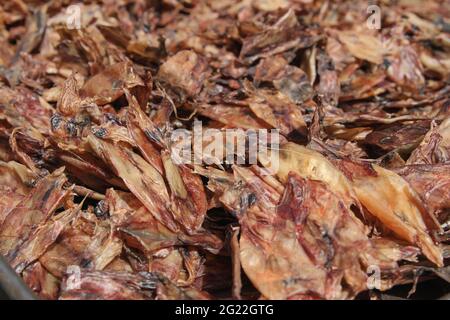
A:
(383, 193)
(139, 176)
(109, 85)
(95, 285)
(397, 137)
(144, 132)
(35, 208)
(232, 116)
(16, 181)
(306, 244)
(290, 80)
(22, 106)
(41, 240)
(310, 164)
(188, 196)
(284, 35)
(166, 290)
(277, 110)
(431, 182)
(406, 69)
(363, 46)
(43, 283)
(67, 251)
(141, 230)
(435, 147)
(186, 71)
(390, 199)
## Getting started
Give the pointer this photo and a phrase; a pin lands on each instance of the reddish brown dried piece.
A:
(186, 70)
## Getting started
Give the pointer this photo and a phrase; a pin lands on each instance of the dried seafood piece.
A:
(16, 177)
(35, 32)
(69, 101)
(277, 110)
(363, 45)
(269, 248)
(431, 183)
(435, 61)
(88, 170)
(21, 107)
(86, 46)
(390, 199)
(140, 177)
(311, 164)
(139, 228)
(382, 192)
(42, 238)
(182, 266)
(108, 85)
(329, 87)
(168, 263)
(236, 263)
(399, 137)
(363, 86)
(187, 194)
(295, 84)
(118, 264)
(186, 189)
(88, 243)
(43, 283)
(406, 69)
(311, 228)
(389, 251)
(8, 198)
(166, 290)
(231, 116)
(26, 144)
(290, 80)
(144, 133)
(38, 205)
(282, 36)
(270, 69)
(68, 250)
(435, 147)
(103, 248)
(114, 133)
(185, 71)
